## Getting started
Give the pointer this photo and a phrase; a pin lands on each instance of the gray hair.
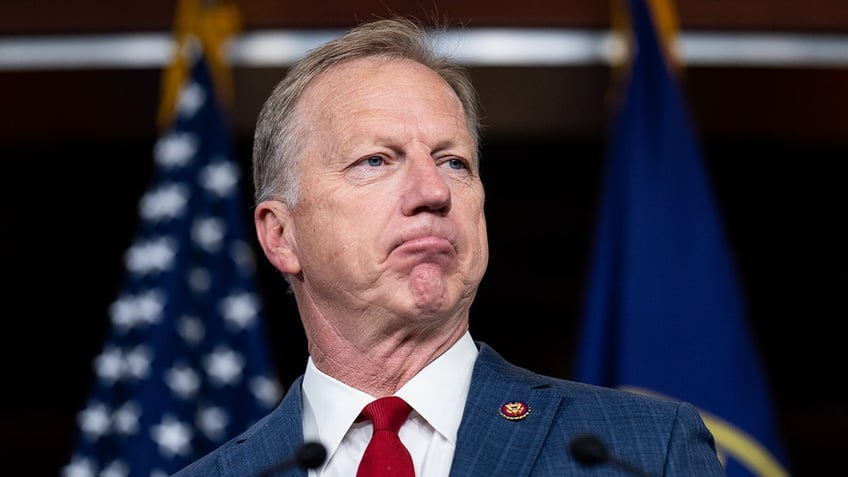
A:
(279, 136)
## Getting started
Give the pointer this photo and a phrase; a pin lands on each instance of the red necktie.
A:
(386, 455)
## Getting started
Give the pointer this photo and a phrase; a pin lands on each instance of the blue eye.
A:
(374, 161)
(456, 164)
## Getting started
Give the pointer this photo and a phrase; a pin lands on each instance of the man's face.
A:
(390, 222)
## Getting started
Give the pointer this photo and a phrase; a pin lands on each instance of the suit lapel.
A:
(489, 443)
(271, 442)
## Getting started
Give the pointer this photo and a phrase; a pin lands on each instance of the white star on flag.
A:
(173, 437)
(176, 149)
(168, 201)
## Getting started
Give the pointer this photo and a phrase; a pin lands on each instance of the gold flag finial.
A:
(206, 25)
(667, 27)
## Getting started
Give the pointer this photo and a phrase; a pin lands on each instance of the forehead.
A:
(393, 97)
(376, 81)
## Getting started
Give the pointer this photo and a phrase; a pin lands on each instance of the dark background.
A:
(76, 148)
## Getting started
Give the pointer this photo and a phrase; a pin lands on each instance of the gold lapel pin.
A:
(515, 410)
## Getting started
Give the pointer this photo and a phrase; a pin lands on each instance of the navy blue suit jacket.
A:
(662, 438)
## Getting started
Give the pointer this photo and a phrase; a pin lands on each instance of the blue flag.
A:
(664, 312)
(185, 366)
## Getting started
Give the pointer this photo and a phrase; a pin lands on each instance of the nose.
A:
(426, 188)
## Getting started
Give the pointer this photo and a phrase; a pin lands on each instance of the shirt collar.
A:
(330, 406)
(438, 392)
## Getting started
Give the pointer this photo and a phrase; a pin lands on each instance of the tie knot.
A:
(387, 413)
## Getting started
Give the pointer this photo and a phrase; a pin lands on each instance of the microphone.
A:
(309, 455)
(589, 450)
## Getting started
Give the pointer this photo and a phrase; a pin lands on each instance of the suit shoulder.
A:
(493, 367)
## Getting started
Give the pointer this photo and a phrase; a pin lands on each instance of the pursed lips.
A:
(425, 248)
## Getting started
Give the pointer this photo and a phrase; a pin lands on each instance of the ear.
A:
(274, 229)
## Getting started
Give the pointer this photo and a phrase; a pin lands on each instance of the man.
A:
(370, 202)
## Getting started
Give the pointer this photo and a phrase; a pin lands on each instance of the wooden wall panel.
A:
(21, 17)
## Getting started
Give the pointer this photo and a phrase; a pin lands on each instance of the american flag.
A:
(185, 366)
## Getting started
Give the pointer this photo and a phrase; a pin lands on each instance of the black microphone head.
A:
(589, 450)
(311, 455)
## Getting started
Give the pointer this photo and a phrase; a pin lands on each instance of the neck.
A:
(381, 366)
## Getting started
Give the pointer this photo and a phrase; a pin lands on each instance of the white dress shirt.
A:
(437, 395)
